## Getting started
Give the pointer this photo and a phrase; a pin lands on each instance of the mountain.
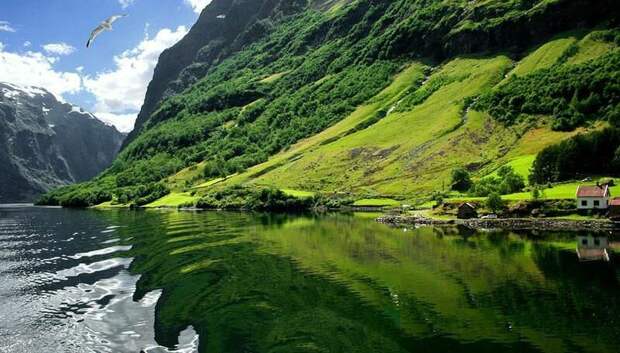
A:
(380, 98)
(210, 41)
(45, 143)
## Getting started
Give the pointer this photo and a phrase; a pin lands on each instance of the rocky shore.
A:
(502, 223)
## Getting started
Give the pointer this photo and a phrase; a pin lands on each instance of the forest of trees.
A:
(596, 153)
(506, 181)
(571, 94)
(256, 199)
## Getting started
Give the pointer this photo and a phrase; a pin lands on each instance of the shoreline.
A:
(420, 221)
(503, 223)
(16, 204)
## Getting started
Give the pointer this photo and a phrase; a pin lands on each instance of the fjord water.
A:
(123, 281)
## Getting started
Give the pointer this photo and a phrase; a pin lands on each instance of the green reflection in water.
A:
(260, 283)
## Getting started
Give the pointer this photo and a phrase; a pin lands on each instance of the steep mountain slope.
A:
(210, 41)
(367, 97)
(45, 143)
(414, 148)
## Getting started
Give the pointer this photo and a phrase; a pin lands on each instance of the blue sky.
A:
(43, 43)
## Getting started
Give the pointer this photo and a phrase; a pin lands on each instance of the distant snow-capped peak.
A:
(47, 101)
(14, 90)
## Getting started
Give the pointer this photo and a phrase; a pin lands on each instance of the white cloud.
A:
(59, 48)
(27, 44)
(198, 5)
(125, 3)
(120, 92)
(122, 122)
(36, 69)
(6, 27)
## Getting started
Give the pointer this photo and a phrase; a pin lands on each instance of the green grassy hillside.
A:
(412, 151)
(400, 153)
(373, 100)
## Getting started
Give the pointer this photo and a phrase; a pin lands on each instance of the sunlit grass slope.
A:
(563, 191)
(376, 202)
(411, 75)
(544, 56)
(590, 47)
(407, 151)
(560, 191)
(174, 199)
(397, 146)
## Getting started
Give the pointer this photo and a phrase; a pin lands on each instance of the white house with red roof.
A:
(595, 197)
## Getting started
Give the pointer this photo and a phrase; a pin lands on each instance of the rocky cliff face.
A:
(45, 143)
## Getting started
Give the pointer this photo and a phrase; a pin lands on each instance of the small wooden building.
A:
(467, 211)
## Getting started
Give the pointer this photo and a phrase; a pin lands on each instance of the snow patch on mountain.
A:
(30, 91)
(10, 94)
(82, 112)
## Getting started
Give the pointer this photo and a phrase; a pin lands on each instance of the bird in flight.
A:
(221, 17)
(105, 25)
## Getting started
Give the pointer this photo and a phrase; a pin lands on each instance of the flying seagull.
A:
(105, 25)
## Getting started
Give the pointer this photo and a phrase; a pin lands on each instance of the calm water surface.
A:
(120, 281)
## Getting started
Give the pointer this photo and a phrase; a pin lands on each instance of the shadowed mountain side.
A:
(210, 41)
(45, 143)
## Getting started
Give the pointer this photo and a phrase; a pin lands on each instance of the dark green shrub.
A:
(495, 203)
(461, 181)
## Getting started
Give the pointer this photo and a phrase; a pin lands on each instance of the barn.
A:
(467, 211)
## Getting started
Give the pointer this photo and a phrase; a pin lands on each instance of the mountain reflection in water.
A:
(120, 281)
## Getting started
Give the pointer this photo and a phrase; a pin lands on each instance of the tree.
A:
(594, 153)
(438, 197)
(461, 181)
(613, 116)
(486, 186)
(616, 161)
(494, 202)
(538, 192)
(510, 180)
(507, 182)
